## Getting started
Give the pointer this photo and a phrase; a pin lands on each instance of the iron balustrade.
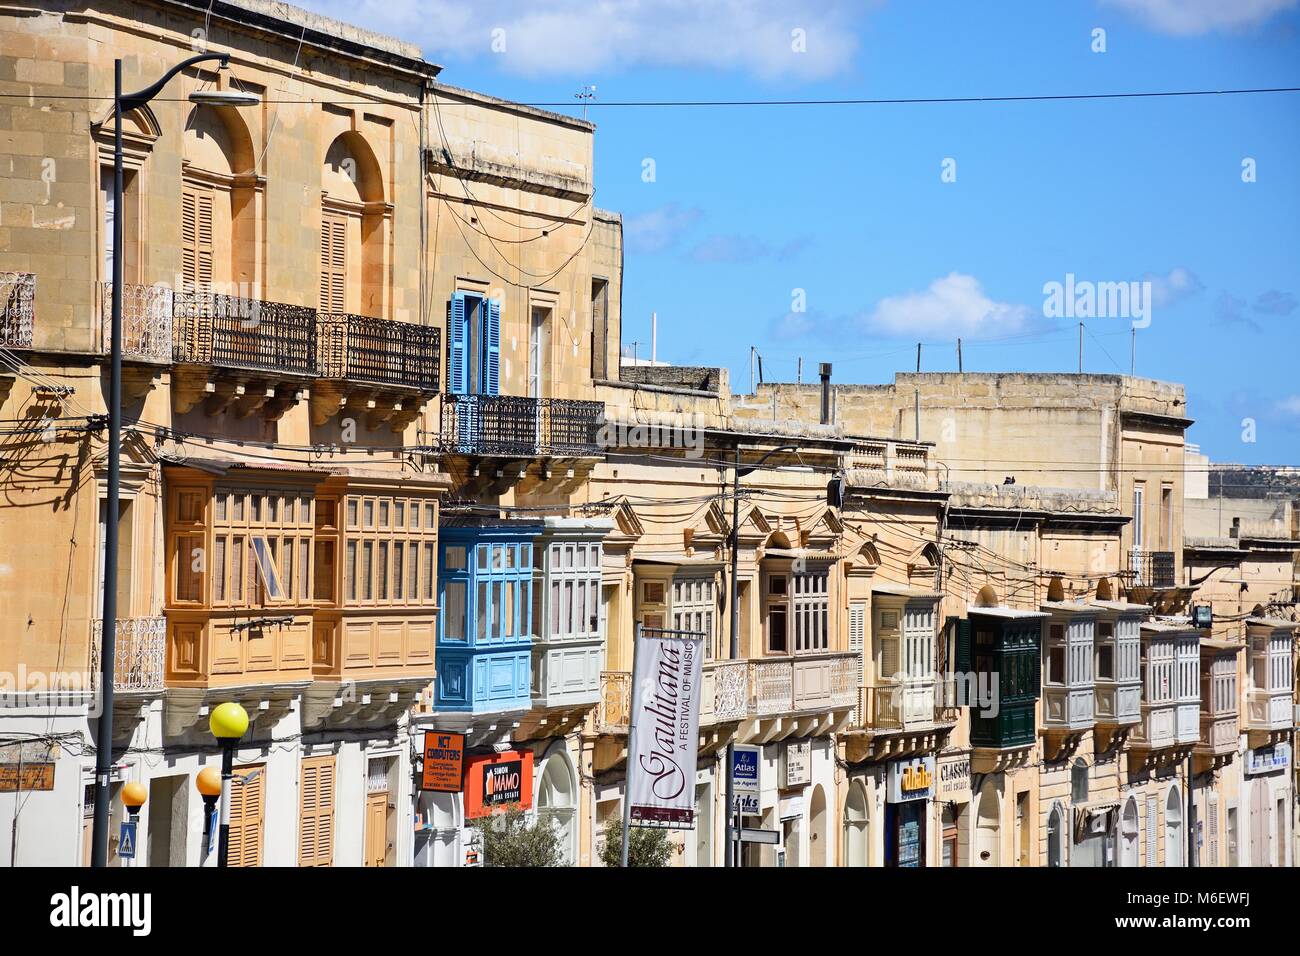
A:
(236, 332)
(381, 351)
(509, 425)
(17, 308)
(1151, 569)
(146, 321)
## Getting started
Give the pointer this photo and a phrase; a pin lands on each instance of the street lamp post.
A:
(108, 633)
(134, 795)
(733, 812)
(228, 723)
(208, 783)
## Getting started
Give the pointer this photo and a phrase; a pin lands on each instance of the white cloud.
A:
(658, 229)
(1195, 17)
(1168, 289)
(953, 305)
(738, 248)
(576, 37)
(1290, 406)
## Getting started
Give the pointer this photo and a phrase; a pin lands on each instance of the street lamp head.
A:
(229, 721)
(224, 98)
(208, 782)
(134, 795)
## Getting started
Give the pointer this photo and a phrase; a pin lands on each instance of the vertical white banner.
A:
(665, 731)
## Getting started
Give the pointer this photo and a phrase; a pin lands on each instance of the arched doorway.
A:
(220, 199)
(557, 803)
(988, 827)
(817, 828)
(1056, 830)
(1128, 834)
(355, 230)
(856, 826)
(437, 837)
(1174, 828)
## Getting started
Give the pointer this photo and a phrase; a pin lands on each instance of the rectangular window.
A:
(383, 571)
(399, 554)
(1056, 664)
(367, 571)
(323, 580)
(454, 612)
(268, 572)
(599, 328)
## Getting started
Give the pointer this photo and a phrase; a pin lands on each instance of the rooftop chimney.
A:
(824, 370)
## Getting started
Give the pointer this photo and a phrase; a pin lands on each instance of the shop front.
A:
(909, 787)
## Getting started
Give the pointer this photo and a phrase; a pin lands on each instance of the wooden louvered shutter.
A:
(492, 338)
(456, 352)
(333, 263)
(1212, 828)
(196, 238)
(316, 814)
(858, 634)
(1152, 845)
(247, 808)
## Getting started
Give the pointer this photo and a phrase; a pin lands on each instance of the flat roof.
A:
(1007, 612)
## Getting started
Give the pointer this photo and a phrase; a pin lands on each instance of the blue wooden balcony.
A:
(485, 593)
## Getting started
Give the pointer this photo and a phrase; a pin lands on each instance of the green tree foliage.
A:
(510, 838)
(647, 846)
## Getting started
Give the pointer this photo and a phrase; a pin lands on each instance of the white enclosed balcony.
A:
(569, 633)
(1269, 695)
(1170, 687)
(1068, 667)
(1220, 730)
(1118, 691)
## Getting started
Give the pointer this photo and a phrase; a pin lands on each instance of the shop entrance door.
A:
(905, 834)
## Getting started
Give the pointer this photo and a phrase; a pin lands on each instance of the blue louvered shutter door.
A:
(456, 353)
(492, 337)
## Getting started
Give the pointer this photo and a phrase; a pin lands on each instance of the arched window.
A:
(817, 828)
(1079, 781)
(355, 229)
(1174, 828)
(986, 597)
(1056, 837)
(856, 826)
(1055, 589)
(988, 827)
(220, 196)
(1129, 834)
(557, 803)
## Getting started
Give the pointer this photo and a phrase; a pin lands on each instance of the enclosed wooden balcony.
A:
(1220, 730)
(511, 426)
(1269, 695)
(1171, 683)
(1006, 652)
(1118, 690)
(1069, 661)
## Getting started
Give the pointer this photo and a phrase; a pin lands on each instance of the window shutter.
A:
(316, 815)
(1151, 831)
(492, 339)
(333, 263)
(247, 803)
(888, 656)
(456, 370)
(196, 238)
(962, 662)
(858, 633)
(1212, 825)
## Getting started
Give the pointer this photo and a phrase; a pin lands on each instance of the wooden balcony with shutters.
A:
(1171, 707)
(1269, 690)
(273, 596)
(1220, 728)
(1069, 678)
(1118, 691)
(1006, 653)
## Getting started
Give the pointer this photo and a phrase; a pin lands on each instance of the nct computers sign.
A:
(665, 727)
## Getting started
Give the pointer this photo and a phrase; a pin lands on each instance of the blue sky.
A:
(849, 204)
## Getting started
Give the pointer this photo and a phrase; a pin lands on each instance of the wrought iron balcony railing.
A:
(17, 308)
(1151, 569)
(241, 333)
(507, 425)
(146, 321)
(380, 351)
(138, 662)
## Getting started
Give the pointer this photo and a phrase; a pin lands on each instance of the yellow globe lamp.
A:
(209, 782)
(229, 721)
(134, 794)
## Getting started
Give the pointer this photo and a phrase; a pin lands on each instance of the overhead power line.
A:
(845, 101)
